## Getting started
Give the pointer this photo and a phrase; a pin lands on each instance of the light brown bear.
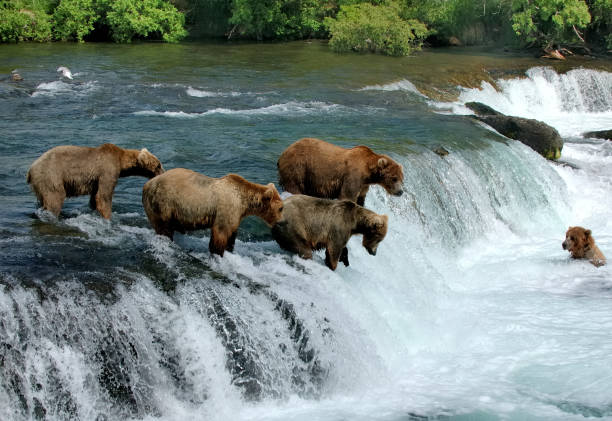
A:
(68, 171)
(184, 200)
(317, 168)
(581, 245)
(311, 223)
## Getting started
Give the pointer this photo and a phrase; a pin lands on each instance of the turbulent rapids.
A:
(470, 308)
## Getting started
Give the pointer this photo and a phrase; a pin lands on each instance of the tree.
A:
(547, 22)
(128, 19)
(74, 19)
(366, 27)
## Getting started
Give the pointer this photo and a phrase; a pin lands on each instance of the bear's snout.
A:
(564, 245)
(399, 192)
(372, 252)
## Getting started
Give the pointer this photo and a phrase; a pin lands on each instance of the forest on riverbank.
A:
(393, 27)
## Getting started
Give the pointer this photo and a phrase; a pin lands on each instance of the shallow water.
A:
(470, 310)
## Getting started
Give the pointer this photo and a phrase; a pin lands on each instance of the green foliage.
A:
(43, 20)
(129, 19)
(601, 12)
(274, 19)
(20, 24)
(74, 19)
(545, 22)
(472, 21)
(366, 27)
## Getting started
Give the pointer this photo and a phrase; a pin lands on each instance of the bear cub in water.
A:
(310, 223)
(184, 200)
(581, 245)
(68, 171)
(320, 169)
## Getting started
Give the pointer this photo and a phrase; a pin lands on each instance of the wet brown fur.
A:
(317, 168)
(68, 171)
(184, 200)
(581, 245)
(310, 223)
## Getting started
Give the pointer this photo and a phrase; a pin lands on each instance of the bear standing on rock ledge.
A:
(317, 168)
(68, 171)
(184, 200)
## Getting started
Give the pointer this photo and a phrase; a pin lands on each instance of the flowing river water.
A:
(471, 310)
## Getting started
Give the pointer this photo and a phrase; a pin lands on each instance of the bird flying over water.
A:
(65, 72)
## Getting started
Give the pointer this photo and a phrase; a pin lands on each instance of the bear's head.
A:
(147, 164)
(390, 175)
(374, 231)
(578, 241)
(272, 205)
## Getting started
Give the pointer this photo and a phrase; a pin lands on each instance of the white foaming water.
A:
(292, 108)
(59, 87)
(575, 102)
(198, 93)
(402, 85)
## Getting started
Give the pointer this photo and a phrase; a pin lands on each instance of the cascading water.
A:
(470, 310)
(569, 102)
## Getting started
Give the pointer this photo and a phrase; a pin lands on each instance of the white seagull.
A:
(65, 72)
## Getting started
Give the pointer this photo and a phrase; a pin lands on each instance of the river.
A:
(470, 310)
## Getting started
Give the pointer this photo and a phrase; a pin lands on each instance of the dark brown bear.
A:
(310, 223)
(184, 200)
(581, 245)
(317, 168)
(68, 171)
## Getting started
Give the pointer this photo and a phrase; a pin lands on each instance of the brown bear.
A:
(581, 245)
(184, 200)
(317, 168)
(68, 171)
(311, 223)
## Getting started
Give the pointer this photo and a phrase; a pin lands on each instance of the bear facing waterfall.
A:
(320, 169)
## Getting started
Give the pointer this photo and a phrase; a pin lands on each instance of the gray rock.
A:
(599, 134)
(539, 136)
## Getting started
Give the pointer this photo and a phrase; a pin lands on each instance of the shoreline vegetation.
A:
(554, 28)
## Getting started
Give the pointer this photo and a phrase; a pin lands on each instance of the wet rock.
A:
(440, 150)
(599, 134)
(536, 134)
(481, 109)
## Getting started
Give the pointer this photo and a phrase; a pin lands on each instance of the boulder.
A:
(539, 136)
(599, 134)
(481, 109)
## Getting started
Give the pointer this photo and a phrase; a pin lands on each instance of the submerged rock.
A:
(536, 134)
(599, 134)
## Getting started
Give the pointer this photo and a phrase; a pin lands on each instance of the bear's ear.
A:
(587, 233)
(382, 163)
(143, 154)
(269, 193)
